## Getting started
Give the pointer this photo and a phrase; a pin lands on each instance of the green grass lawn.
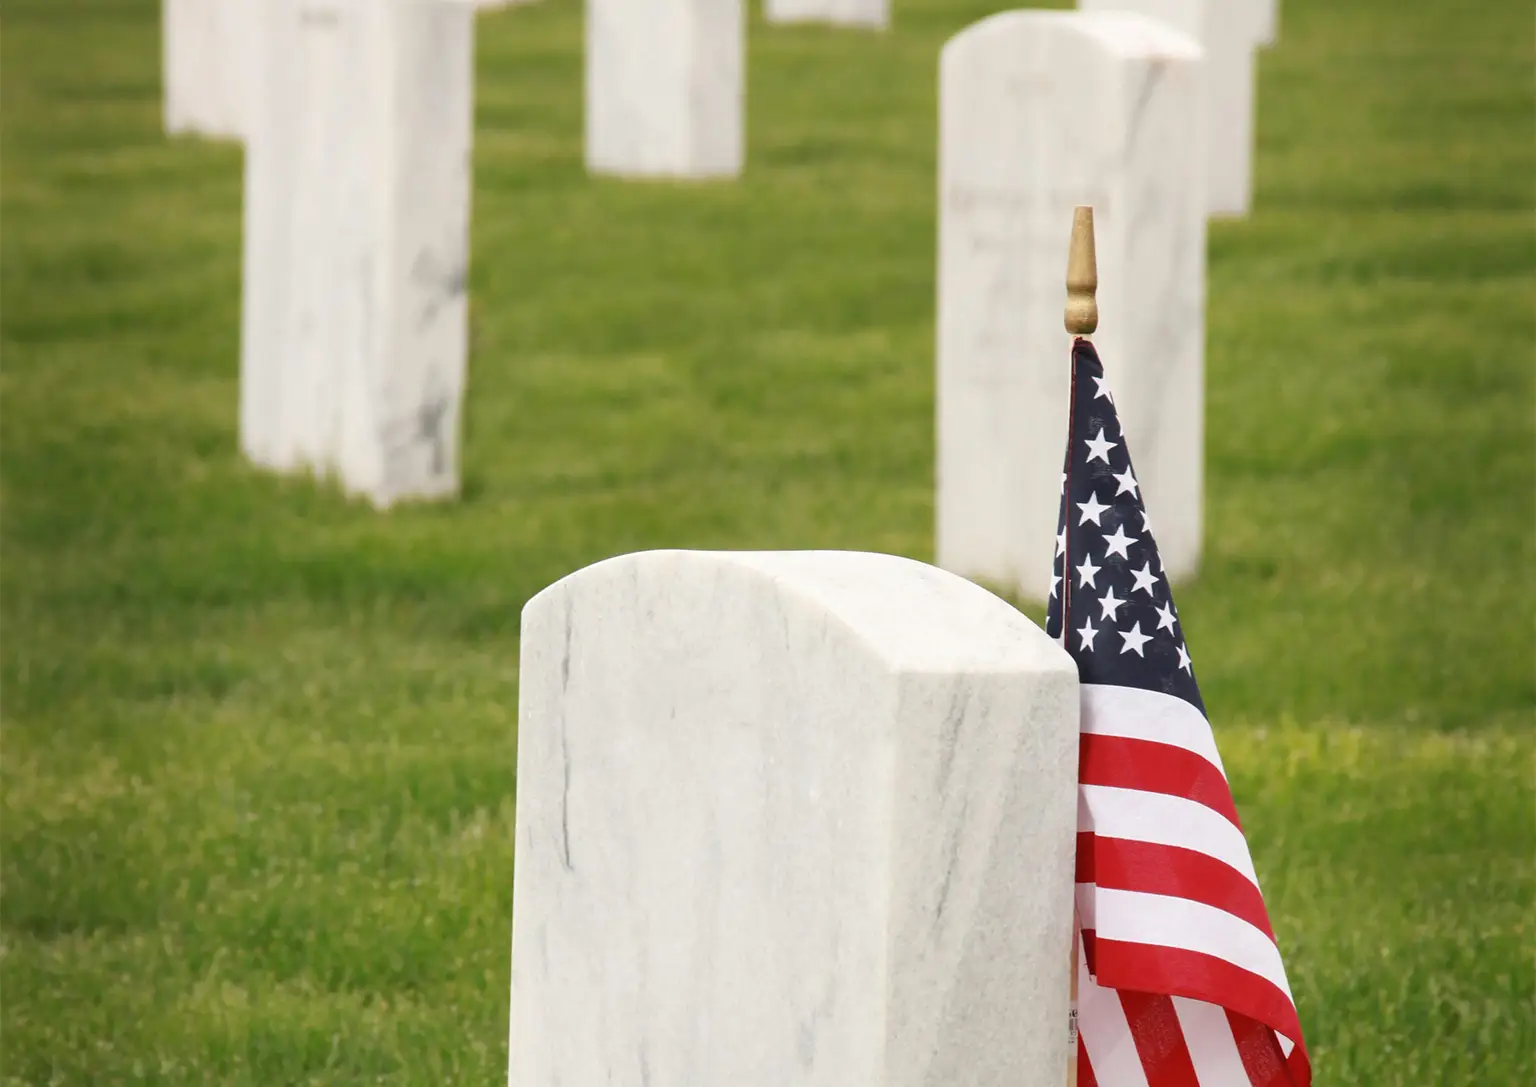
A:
(259, 740)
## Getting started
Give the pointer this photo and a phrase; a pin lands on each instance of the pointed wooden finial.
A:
(1082, 276)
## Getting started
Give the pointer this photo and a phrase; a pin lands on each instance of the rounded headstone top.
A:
(1121, 33)
(912, 616)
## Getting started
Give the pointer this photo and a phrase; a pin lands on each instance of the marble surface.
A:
(790, 818)
(865, 13)
(1231, 32)
(1039, 112)
(354, 320)
(209, 55)
(665, 88)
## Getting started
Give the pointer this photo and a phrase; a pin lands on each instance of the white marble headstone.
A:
(665, 92)
(790, 818)
(1231, 32)
(1039, 112)
(208, 50)
(867, 13)
(354, 330)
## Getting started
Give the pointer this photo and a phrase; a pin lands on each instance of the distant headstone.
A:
(1039, 112)
(1269, 23)
(868, 13)
(1231, 31)
(665, 88)
(354, 331)
(790, 818)
(208, 51)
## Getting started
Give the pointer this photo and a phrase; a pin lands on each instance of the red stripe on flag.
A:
(1260, 1052)
(1159, 1039)
(1171, 970)
(1085, 862)
(1301, 1066)
(1151, 767)
(1124, 865)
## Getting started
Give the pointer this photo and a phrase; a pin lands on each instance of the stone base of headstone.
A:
(665, 88)
(863, 13)
(1040, 112)
(354, 326)
(209, 56)
(790, 818)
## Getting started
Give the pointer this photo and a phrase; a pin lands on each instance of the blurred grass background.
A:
(258, 741)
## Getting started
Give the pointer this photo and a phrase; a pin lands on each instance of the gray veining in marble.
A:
(874, 14)
(790, 818)
(665, 88)
(354, 325)
(1039, 112)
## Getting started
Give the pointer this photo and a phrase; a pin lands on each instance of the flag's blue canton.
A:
(1109, 589)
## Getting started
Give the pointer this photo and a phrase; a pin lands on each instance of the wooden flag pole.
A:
(1082, 318)
(1082, 276)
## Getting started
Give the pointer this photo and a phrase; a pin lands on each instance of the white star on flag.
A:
(1092, 510)
(1134, 639)
(1118, 543)
(1098, 448)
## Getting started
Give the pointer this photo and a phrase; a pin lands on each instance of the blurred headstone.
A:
(867, 13)
(790, 818)
(356, 244)
(208, 50)
(1231, 32)
(1269, 23)
(1040, 112)
(665, 88)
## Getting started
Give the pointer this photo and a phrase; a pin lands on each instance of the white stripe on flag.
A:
(1165, 921)
(1106, 1033)
(1163, 820)
(1135, 714)
(1212, 1049)
(1085, 912)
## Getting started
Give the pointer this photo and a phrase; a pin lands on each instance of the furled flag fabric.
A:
(1180, 979)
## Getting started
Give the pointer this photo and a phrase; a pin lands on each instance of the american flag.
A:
(1180, 980)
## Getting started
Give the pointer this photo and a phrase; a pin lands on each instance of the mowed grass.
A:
(259, 741)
